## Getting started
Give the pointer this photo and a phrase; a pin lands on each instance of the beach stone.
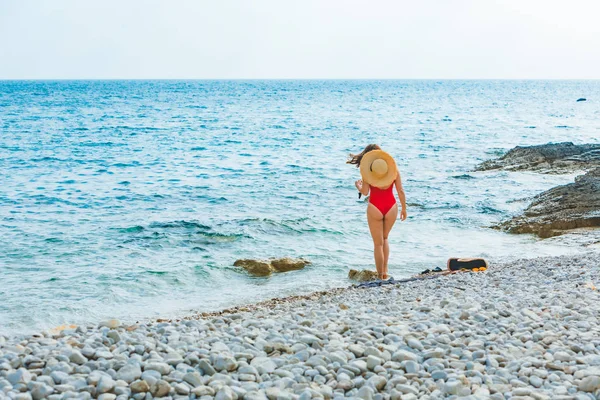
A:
(129, 372)
(439, 374)
(173, 358)
(107, 396)
(365, 393)
(110, 323)
(160, 388)
(88, 352)
(563, 356)
(536, 381)
(104, 354)
(203, 391)
(59, 377)
(377, 382)
(358, 364)
(161, 367)
(105, 384)
(77, 358)
(193, 378)
(411, 367)
(407, 389)
(524, 391)
(151, 376)
(40, 390)
(206, 367)
(453, 387)
(402, 355)
(589, 384)
(139, 386)
(263, 365)
(225, 363)
(114, 335)
(182, 389)
(315, 361)
(373, 362)
(362, 276)
(273, 393)
(357, 350)
(255, 395)
(415, 344)
(225, 393)
(19, 376)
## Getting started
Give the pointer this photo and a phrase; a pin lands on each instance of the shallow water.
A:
(132, 199)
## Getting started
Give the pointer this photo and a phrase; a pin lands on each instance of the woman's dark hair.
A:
(356, 158)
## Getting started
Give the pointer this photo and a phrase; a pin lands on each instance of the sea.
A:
(132, 199)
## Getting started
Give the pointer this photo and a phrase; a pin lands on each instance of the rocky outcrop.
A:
(255, 267)
(552, 158)
(362, 276)
(267, 267)
(560, 209)
(288, 264)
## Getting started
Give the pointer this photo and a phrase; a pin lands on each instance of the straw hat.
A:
(378, 169)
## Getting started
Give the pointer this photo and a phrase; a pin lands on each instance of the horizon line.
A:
(298, 79)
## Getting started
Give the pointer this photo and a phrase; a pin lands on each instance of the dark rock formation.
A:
(362, 276)
(552, 158)
(267, 267)
(552, 213)
(255, 267)
(288, 264)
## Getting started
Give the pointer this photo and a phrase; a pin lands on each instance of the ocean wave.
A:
(463, 176)
(179, 224)
(297, 225)
(133, 229)
(100, 144)
(487, 209)
(125, 165)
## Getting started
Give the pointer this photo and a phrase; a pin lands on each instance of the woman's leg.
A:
(375, 219)
(388, 223)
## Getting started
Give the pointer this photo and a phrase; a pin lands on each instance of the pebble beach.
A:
(522, 330)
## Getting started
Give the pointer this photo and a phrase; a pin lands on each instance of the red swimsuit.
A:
(383, 199)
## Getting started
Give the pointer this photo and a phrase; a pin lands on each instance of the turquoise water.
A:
(132, 199)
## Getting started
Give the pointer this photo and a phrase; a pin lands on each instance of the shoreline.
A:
(524, 328)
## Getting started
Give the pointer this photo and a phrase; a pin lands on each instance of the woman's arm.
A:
(401, 196)
(362, 187)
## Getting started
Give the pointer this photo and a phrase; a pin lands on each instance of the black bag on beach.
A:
(456, 264)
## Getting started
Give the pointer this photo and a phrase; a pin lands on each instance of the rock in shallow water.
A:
(572, 206)
(554, 158)
(288, 264)
(267, 267)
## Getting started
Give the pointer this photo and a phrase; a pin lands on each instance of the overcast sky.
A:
(73, 39)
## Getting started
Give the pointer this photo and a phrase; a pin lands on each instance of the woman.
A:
(379, 176)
